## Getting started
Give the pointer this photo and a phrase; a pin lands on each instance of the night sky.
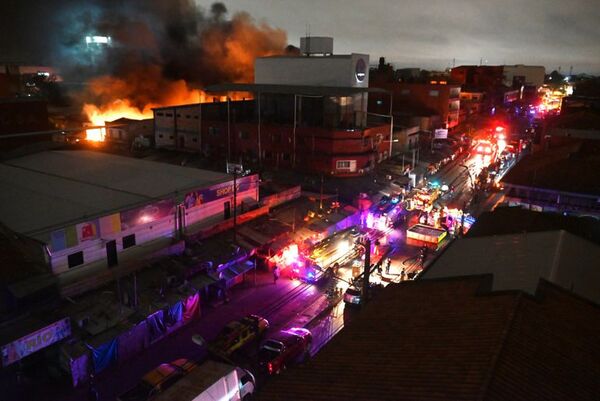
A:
(425, 33)
(431, 33)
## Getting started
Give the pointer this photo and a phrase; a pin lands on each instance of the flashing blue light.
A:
(395, 200)
(531, 111)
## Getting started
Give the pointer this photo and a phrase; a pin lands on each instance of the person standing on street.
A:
(387, 266)
(275, 274)
(92, 391)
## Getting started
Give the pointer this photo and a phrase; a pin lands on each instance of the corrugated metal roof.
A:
(49, 189)
(451, 339)
(519, 261)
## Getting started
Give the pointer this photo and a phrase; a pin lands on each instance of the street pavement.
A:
(280, 303)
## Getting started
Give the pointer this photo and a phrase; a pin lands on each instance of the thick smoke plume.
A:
(161, 51)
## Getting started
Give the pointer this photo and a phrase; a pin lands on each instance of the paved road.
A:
(277, 302)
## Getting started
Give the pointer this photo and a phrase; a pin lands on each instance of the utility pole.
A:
(365, 285)
(228, 132)
(321, 197)
(462, 219)
(235, 205)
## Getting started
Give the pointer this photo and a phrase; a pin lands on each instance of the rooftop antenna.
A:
(453, 62)
(307, 40)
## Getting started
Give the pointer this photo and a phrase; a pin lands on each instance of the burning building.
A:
(307, 112)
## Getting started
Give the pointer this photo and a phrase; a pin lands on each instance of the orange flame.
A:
(229, 49)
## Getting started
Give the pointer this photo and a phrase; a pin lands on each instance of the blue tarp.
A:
(156, 325)
(104, 355)
(174, 314)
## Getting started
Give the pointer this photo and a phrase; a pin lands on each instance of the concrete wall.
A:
(324, 71)
(533, 75)
(279, 198)
(165, 228)
(95, 250)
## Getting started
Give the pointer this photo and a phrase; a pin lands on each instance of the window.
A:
(75, 259)
(342, 164)
(405, 92)
(379, 102)
(194, 139)
(128, 241)
(188, 116)
(434, 93)
(169, 114)
(170, 136)
(160, 114)
(178, 115)
(213, 131)
(195, 117)
(244, 135)
(160, 135)
(285, 156)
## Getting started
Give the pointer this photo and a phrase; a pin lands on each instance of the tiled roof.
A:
(584, 120)
(573, 168)
(518, 261)
(452, 339)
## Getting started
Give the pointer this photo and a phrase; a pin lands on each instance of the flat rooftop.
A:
(45, 191)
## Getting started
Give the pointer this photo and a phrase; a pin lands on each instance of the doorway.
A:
(226, 210)
(111, 253)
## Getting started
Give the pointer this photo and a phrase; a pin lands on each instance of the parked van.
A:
(211, 381)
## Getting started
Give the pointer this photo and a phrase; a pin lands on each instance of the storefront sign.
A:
(219, 191)
(35, 341)
(441, 133)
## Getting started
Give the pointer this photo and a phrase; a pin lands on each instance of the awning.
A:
(201, 281)
(233, 271)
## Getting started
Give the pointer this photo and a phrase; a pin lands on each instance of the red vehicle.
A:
(288, 346)
(485, 148)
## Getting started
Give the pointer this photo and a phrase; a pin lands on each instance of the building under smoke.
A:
(309, 112)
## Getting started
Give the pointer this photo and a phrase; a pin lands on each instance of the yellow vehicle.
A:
(238, 333)
(158, 380)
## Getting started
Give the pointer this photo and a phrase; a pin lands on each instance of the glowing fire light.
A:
(98, 116)
(290, 256)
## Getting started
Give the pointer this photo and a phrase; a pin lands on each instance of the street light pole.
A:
(321, 197)
(235, 205)
(367, 272)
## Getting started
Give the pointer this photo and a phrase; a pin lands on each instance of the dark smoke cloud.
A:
(155, 43)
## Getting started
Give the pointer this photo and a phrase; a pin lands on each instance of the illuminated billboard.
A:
(27, 345)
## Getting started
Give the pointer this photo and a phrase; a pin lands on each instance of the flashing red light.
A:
(488, 149)
(499, 128)
(480, 148)
(270, 368)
